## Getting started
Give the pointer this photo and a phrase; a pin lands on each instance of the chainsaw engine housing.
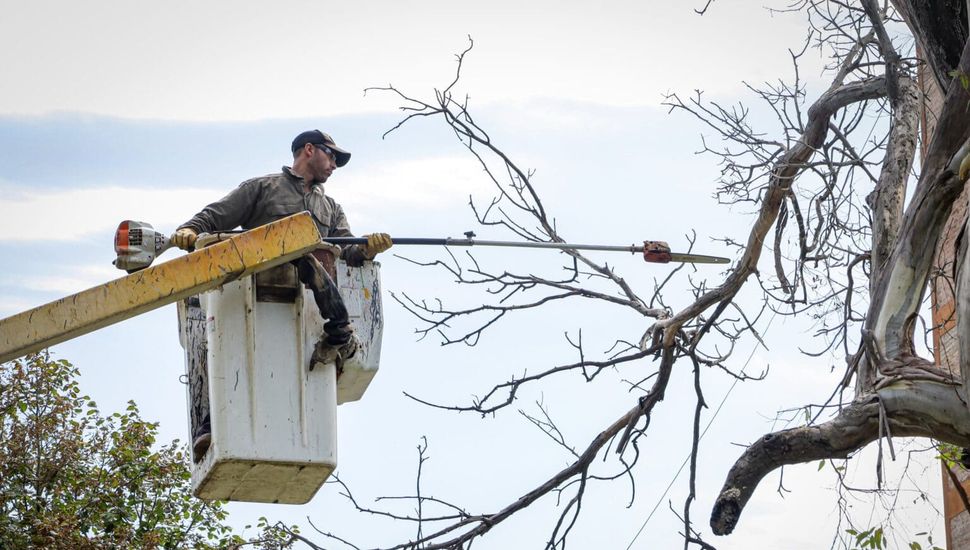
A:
(137, 244)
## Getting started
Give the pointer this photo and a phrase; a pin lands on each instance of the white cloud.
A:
(10, 305)
(246, 60)
(431, 183)
(367, 194)
(73, 214)
(81, 277)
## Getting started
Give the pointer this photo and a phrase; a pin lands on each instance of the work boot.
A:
(327, 352)
(200, 446)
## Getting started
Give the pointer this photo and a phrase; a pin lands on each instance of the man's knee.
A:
(311, 272)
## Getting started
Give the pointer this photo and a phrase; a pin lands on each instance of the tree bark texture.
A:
(940, 28)
(910, 408)
(886, 200)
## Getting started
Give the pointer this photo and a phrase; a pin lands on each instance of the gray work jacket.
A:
(261, 200)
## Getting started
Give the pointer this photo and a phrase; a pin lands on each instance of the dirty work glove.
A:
(376, 243)
(184, 238)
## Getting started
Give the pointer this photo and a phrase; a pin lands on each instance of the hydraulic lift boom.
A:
(243, 254)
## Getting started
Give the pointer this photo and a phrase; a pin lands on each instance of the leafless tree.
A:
(829, 186)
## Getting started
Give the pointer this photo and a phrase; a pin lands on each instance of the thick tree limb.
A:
(886, 200)
(886, 48)
(899, 290)
(920, 408)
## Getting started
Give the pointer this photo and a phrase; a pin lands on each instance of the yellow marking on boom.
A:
(261, 248)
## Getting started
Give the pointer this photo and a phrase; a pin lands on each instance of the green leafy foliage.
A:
(964, 78)
(949, 454)
(73, 478)
(874, 538)
(870, 538)
(914, 545)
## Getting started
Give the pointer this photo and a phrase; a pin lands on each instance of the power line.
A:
(709, 422)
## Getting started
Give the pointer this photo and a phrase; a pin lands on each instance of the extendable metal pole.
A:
(651, 247)
(633, 249)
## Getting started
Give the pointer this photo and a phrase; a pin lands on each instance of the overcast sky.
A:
(128, 109)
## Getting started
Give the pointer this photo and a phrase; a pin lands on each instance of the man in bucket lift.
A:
(265, 199)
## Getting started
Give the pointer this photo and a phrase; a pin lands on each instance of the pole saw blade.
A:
(697, 258)
(658, 252)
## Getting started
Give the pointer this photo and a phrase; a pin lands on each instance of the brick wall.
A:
(946, 347)
(948, 354)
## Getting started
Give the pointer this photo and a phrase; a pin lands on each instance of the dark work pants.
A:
(196, 353)
(327, 297)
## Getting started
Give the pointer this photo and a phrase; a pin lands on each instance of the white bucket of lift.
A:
(273, 419)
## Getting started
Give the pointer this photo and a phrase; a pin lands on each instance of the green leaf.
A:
(113, 488)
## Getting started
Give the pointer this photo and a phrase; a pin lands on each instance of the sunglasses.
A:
(327, 150)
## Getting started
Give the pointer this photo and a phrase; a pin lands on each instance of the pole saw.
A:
(138, 244)
(653, 251)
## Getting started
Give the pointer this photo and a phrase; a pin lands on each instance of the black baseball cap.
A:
(316, 137)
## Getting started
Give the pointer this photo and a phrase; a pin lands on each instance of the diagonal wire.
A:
(709, 422)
